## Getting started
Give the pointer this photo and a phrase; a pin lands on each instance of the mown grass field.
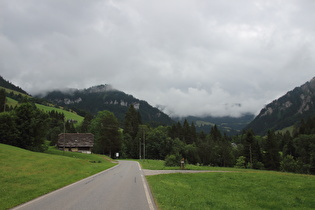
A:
(25, 175)
(238, 189)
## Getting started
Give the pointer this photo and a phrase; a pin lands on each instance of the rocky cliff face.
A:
(287, 110)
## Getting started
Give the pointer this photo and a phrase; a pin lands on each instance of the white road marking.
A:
(151, 206)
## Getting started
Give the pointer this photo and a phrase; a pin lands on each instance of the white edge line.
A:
(151, 206)
(65, 187)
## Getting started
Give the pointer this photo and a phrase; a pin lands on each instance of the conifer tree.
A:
(2, 100)
(271, 155)
(132, 122)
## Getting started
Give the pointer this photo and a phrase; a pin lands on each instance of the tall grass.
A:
(26, 175)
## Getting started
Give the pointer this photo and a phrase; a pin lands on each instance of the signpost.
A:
(182, 164)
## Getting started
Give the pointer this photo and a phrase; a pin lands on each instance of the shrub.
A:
(240, 162)
(172, 160)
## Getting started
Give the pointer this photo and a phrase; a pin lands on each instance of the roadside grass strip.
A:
(26, 175)
(240, 189)
(237, 190)
(159, 165)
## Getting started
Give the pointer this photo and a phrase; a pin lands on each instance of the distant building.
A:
(76, 142)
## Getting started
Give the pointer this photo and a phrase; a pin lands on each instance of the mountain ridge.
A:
(104, 97)
(7, 84)
(287, 110)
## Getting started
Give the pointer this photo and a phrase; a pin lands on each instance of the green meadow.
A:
(11, 102)
(237, 189)
(68, 115)
(26, 175)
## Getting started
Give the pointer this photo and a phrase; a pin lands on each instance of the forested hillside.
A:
(103, 97)
(287, 110)
(228, 125)
(6, 84)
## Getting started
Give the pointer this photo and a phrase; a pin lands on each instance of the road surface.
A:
(119, 188)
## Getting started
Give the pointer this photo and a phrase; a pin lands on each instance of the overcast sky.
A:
(192, 57)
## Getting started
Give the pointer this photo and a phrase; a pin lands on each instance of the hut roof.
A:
(75, 140)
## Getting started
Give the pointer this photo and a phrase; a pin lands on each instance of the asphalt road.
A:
(122, 187)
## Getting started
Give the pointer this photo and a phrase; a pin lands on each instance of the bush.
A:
(172, 160)
(289, 164)
(240, 162)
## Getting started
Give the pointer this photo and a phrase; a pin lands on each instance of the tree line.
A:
(27, 127)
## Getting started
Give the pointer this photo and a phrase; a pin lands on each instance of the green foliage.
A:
(132, 141)
(86, 123)
(132, 122)
(159, 145)
(2, 100)
(172, 160)
(241, 162)
(289, 164)
(25, 127)
(191, 154)
(305, 152)
(32, 125)
(9, 133)
(105, 128)
(271, 154)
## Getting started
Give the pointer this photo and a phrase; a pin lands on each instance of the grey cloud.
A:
(190, 57)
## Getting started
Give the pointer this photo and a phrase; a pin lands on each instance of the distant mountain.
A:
(287, 110)
(227, 125)
(6, 84)
(104, 97)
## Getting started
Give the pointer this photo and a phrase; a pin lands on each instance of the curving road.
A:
(121, 187)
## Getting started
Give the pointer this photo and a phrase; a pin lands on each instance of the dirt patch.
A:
(156, 172)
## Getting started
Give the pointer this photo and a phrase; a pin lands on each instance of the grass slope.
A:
(15, 92)
(11, 102)
(68, 115)
(26, 175)
(240, 189)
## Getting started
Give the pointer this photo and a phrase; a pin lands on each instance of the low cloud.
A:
(190, 57)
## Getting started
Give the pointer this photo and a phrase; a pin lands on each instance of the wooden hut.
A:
(76, 142)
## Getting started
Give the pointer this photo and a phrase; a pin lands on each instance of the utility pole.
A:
(5, 101)
(140, 148)
(250, 156)
(64, 137)
(143, 133)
